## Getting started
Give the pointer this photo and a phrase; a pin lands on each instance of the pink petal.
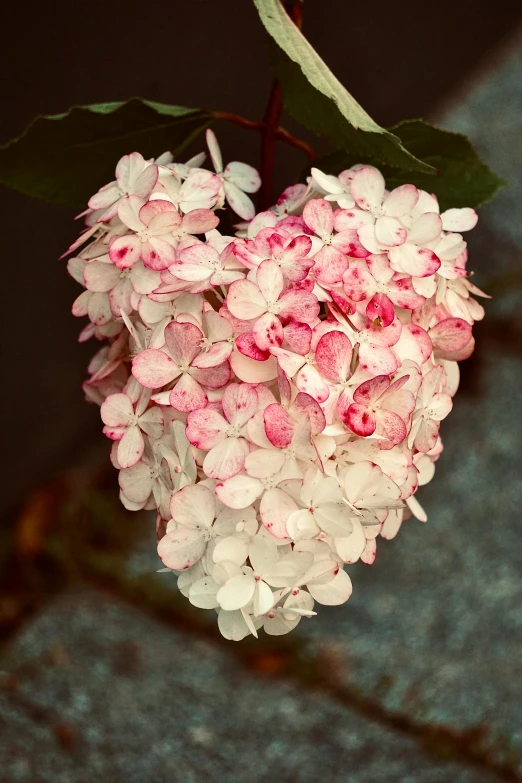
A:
(380, 309)
(377, 359)
(330, 265)
(298, 305)
(129, 168)
(352, 219)
(245, 300)
(452, 334)
(360, 419)
(212, 377)
(100, 277)
(390, 425)
(279, 427)
(125, 251)
(239, 402)
(153, 368)
(105, 197)
(247, 345)
(415, 344)
(268, 332)
(157, 253)
(269, 279)
(304, 405)
(415, 261)
(288, 361)
(183, 341)
(297, 249)
(369, 552)
(358, 283)
(318, 216)
(402, 294)
(370, 391)
(275, 508)
(368, 188)
(216, 355)
(136, 482)
(144, 184)
(309, 381)
(205, 428)
(333, 356)
(427, 435)
(348, 242)
(297, 338)
(199, 221)
(187, 395)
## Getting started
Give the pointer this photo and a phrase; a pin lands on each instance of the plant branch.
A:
(281, 133)
(270, 125)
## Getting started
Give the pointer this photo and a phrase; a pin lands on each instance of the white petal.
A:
(236, 592)
(336, 592)
(181, 548)
(194, 506)
(203, 593)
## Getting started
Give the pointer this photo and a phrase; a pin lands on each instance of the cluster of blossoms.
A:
(275, 395)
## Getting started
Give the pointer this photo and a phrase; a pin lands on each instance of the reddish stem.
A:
(270, 123)
(238, 120)
(281, 133)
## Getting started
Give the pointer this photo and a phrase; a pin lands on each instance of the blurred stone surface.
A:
(104, 692)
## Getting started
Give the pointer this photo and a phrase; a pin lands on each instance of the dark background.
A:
(398, 59)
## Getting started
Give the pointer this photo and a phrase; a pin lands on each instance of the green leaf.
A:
(462, 179)
(65, 158)
(316, 98)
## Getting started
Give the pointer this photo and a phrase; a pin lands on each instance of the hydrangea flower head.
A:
(275, 396)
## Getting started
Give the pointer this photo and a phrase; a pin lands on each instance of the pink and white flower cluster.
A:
(275, 395)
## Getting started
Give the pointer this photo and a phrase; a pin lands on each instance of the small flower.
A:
(238, 179)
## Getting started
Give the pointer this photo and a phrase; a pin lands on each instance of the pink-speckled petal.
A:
(368, 188)
(330, 265)
(183, 341)
(380, 309)
(275, 508)
(125, 251)
(279, 427)
(318, 216)
(187, 395)
(333, 356)
(239, 403)
(153, 368)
